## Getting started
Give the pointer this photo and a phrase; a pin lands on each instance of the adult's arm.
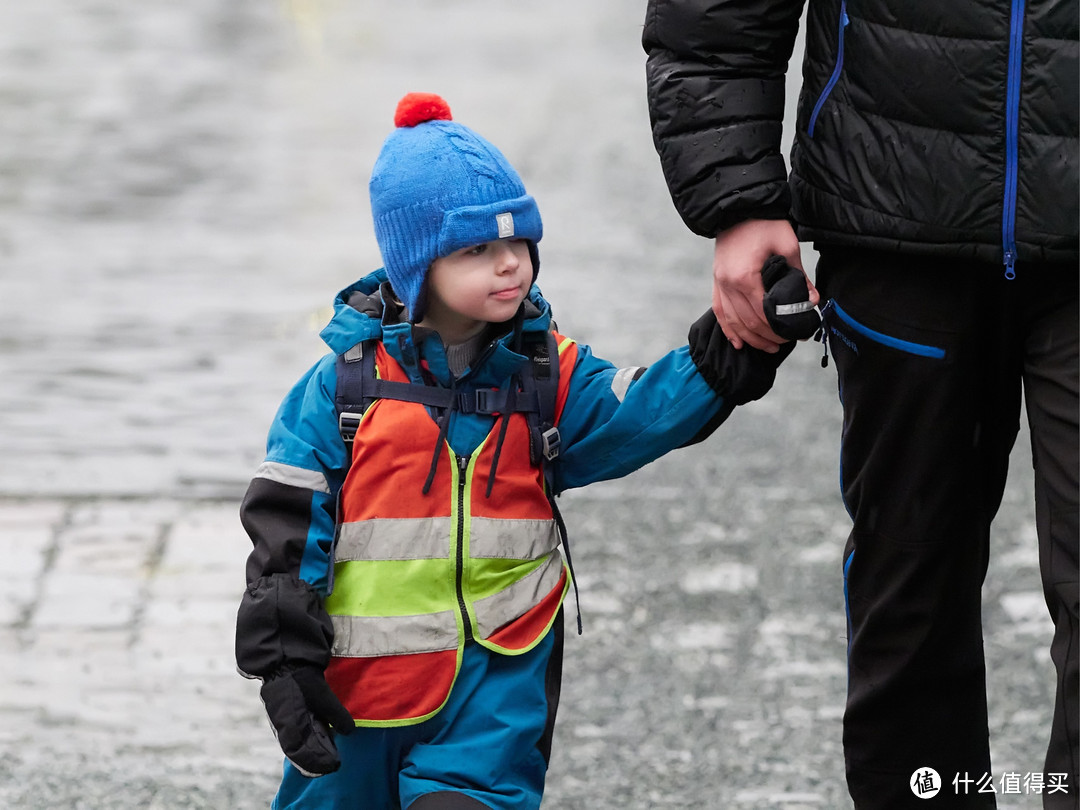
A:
(715, 81)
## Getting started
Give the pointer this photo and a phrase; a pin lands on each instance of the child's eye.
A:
(477, 250)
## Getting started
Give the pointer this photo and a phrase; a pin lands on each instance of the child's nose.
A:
(508, 259)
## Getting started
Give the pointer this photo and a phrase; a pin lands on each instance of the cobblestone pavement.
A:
(710, 674)
(183, 188)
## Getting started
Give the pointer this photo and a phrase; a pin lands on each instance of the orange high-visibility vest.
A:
(415, 575)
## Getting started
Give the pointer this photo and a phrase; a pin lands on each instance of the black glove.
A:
(284, 638)
(301, 709)
(738, 375)
(787, 300)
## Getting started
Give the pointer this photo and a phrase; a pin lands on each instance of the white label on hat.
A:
(506, 224)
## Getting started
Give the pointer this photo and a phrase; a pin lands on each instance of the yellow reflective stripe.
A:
(394, 539)
(566, 343)
(367, 636)
(511, 539)
(391, 588)
(494, 611)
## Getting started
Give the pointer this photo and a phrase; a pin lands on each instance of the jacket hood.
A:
(367, 309)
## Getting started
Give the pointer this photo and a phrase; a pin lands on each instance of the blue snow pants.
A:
(487, 748)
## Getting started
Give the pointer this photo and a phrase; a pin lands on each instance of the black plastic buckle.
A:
(348, 424)
(483, 400)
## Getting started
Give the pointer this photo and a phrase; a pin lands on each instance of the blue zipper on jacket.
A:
(836, 70)
(1012, 137)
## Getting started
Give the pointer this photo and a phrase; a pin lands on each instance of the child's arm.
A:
(283, 634)
(617, 420)
(289, 508)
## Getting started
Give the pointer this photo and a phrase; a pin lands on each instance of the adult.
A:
(934, 168)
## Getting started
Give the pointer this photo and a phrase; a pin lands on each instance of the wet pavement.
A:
(710, 674)
(183, 190)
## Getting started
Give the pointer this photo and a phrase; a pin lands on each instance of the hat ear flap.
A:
(534, 254)
(419, 307)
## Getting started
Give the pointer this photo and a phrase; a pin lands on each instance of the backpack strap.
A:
(540, 381)
(355, 378)
(542, 376)
(358, 386)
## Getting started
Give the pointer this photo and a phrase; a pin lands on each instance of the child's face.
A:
(477, 285)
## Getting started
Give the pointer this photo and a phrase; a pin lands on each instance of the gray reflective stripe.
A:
(293, 476)
(494, 611)
(793, 309)
(367, 636)
(511, 539)
(394, 539)
(429, 538)
(622, 379)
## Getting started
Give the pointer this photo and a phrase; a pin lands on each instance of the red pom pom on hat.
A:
(416, 108)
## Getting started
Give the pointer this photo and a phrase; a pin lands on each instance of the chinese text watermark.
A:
(926, 783)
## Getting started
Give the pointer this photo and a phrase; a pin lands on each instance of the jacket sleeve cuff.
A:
(281, 624)
(737, 375)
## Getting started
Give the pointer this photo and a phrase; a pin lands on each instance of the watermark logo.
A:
(925, 783)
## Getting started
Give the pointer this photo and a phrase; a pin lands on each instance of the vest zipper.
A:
(1012, 137)
(462, 480)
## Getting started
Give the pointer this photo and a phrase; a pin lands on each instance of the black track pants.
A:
(932, 356)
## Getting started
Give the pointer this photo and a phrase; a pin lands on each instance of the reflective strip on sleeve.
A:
(394, 539)
(293, 476)
(491, 538)
(620, 383)
(494, 611)
(366, 637)
(794, 309)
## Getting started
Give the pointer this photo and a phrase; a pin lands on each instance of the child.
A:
(403, 607)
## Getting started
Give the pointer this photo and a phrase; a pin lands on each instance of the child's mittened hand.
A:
(787, 304)
(283, 638)
(301, 708)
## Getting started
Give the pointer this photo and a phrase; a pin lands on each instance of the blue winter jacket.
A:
(614, 422)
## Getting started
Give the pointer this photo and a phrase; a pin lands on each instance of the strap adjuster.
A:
(550, 442)
(348, 424)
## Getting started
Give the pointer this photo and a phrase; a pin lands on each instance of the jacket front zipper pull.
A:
(1012, 138)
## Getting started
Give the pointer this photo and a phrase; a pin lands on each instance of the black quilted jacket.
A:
(944, 126)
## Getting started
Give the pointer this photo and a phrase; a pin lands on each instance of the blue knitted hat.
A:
(437, 187)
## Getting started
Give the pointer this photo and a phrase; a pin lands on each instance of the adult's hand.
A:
(738, 257)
